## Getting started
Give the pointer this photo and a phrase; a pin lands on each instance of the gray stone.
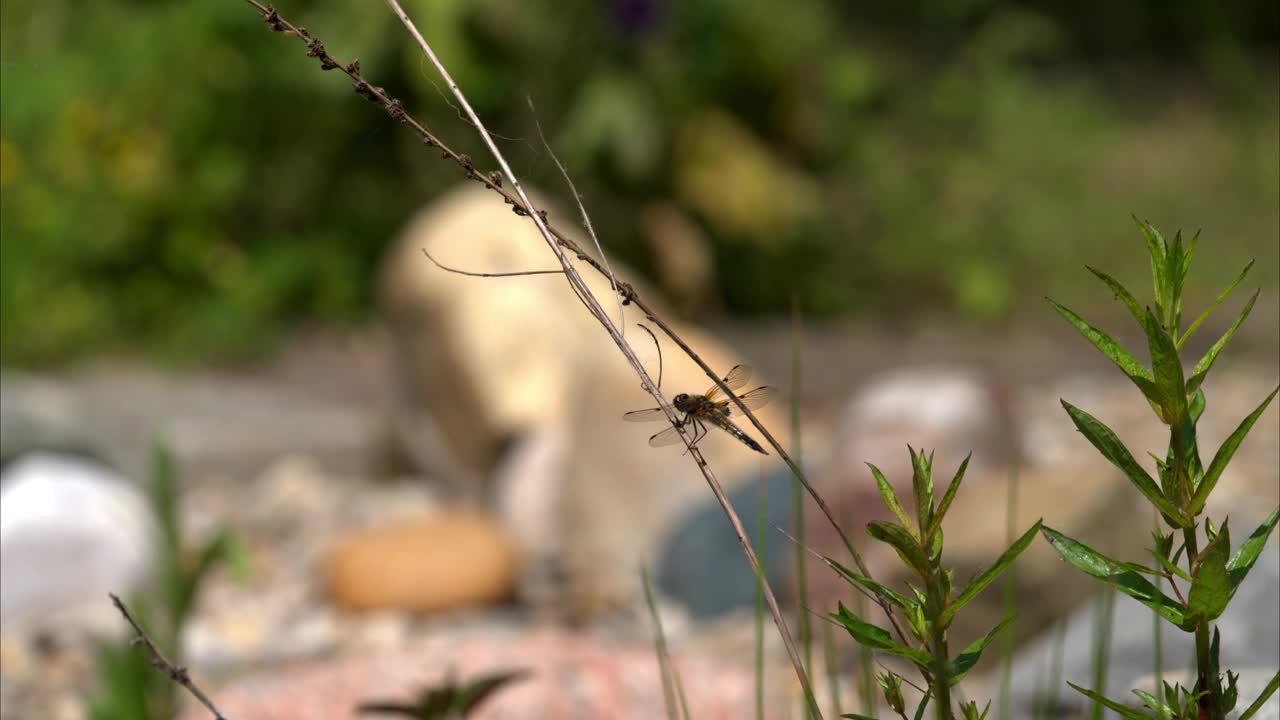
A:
(212, 422)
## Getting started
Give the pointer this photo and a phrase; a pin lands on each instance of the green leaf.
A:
(924, 703)
(982, 580)
(902, 541)
(1167, 368)
(1121, 293)
(876, 588)
(1154, 703)
(1123, 710)
(947, 498)
(922, 488)
(447, 700)
(856, 716)
(1169, 566)
(877, 638)
(1224, 454)
(1122, 358)
(1113, 450)
(890, 498)
(1125, 577)
(1242, 562)
(965, 661)
(1200, 320)
(1201, 369)
(1197, 406)
(1266, 694)
(1159, 252)
(164, 496)
(213, 552)
(1211, 588)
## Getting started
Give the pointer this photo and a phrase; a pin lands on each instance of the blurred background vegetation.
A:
(178, 181)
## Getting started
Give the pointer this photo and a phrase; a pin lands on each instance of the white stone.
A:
(70, 532)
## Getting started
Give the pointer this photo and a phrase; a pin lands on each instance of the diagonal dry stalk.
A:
(493, 181)
(593, 305)
(176, 673)
(563, 246)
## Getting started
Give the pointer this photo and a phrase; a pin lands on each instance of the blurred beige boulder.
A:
(521, 388)
(444, 561)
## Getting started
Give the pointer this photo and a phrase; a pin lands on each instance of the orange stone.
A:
(449, 560)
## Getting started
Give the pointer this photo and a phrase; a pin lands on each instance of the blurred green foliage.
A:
(129, 687)
(179, 181)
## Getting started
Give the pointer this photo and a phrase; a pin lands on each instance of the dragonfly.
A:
(712, 407)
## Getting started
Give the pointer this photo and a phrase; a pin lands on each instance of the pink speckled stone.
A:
(571, 676)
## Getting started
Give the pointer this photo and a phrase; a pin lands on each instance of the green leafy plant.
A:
(129, 688)
(448, 700)
(930, 609)
(1182, 485)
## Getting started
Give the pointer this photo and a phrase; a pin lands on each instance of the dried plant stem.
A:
(579, 285)
(176, 673)
(493, 182)
(520, 205)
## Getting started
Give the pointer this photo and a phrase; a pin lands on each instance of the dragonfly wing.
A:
(670, 436)
(645, 415)
(757, 398)
(737, 377)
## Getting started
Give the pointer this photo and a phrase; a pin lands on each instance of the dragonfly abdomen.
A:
(725, 424)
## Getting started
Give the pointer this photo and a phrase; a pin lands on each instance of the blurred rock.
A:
(949, 410)
(526, 389)
(702, 564)
(70, 532)
(453, 559)
(682, 258)
(1250, 639)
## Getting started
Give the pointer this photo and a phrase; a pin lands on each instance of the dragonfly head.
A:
(680, 400)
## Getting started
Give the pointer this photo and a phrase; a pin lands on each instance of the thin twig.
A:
(176, 673)
(586, 218)
(575, 280)
(656, 346)
(468, 273)
(493, 182)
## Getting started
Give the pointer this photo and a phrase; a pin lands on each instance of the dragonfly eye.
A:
(680, 398)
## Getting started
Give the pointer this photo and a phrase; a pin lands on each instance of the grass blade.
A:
(1266, 694)
(671, 686)
(761, 528)
(1102, 645)
(1010, 588)
(805, 629)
